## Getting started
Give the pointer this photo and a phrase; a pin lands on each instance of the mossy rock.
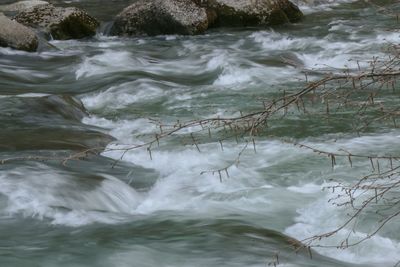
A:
(231, 13)
(59, 23)
(156, 17)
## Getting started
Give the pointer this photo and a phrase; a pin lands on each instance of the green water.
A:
(163, 211)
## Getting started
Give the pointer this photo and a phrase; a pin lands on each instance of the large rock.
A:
(154, 17)
(22, 5)
(17, 36)
(251, 12)
(58, 22)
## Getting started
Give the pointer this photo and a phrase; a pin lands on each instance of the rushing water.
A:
(164, 212)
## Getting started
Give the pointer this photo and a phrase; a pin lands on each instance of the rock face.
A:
(22, 5)
(58, 22)
(154, 17)
(251, 12)
(17, 36)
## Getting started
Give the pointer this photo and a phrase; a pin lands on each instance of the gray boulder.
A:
(251, 12)
(17, 36)
(58, 22)
(22, 5)
(154, 17)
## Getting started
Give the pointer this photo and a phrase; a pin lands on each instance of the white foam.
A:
(237, 71)
(375, 144)
(108, 62)
(388, 38)
(183, 184)
(326, 53)
(321, 217)
(182, 187)
(122, 95)
(339, 62)
(67, 201)
(312, 6)
(271, 40)
(124, 130)
(309, 188)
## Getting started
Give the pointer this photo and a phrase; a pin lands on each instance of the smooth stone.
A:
(22, 5)
(156, 17)
(17, 36)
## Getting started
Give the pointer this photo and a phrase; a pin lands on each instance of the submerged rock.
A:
(154, 17)
(251, 12)
(58, 22)
(47, 123)
(17, 36)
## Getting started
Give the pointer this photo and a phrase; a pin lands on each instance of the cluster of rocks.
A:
(33, 18)
(35, 21)
(153, 17)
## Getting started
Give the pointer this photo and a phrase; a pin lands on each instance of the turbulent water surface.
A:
(165, 211)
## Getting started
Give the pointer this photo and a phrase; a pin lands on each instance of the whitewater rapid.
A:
(127, 208)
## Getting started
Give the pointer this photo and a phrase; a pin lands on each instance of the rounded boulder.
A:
(232, 13)
(59, 23)
(156, 17)
(17, 36)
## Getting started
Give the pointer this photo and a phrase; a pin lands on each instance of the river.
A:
(169, 210)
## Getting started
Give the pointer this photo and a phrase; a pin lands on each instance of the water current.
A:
(164, 211)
